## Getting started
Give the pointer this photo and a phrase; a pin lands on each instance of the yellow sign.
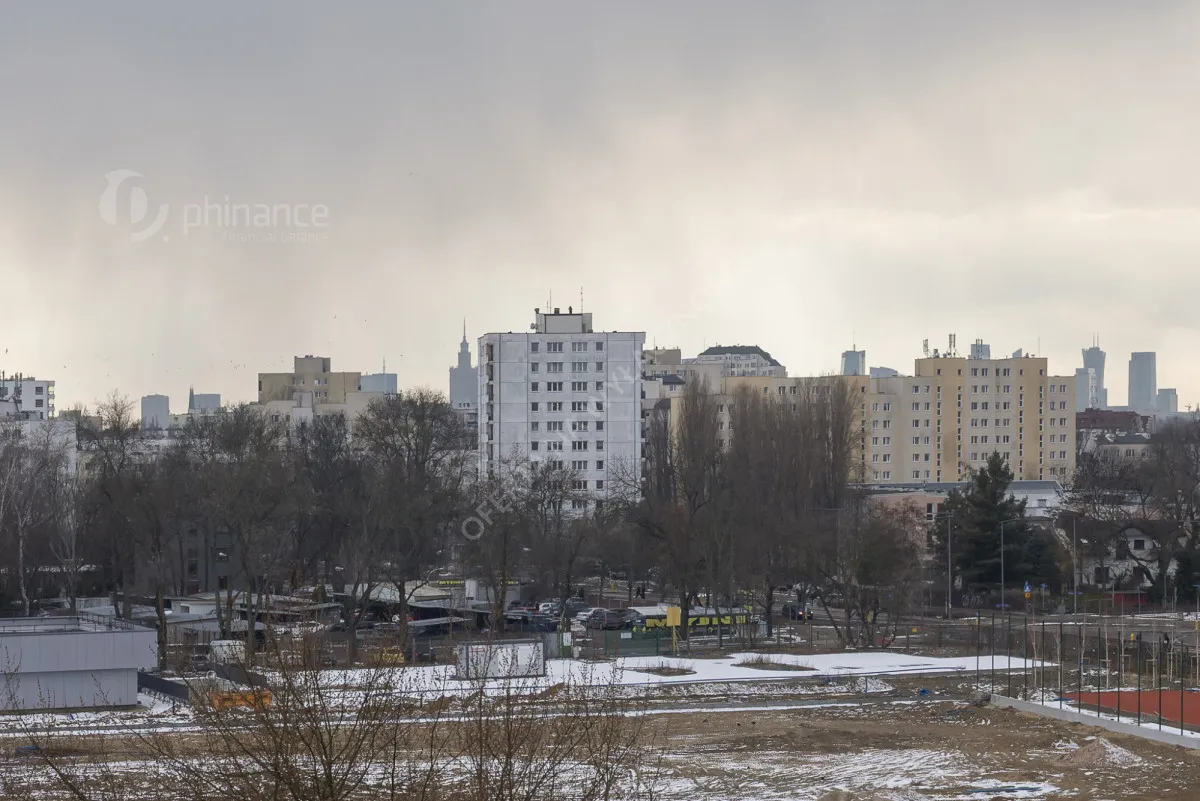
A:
(674, 616)
(1027, 596)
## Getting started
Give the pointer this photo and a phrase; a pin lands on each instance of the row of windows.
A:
(557, 386)
(576, 425)
(576, 347)
(557, 445)
(557, 367)
(576, 406)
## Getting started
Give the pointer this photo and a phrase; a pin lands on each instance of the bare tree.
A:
(683, 465)
(112, 446)
(245, 488)
(33, 462)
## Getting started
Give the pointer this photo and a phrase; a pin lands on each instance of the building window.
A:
(554, 406)
(599, 483)
(579, 406)
(599, 444)
(599, 386)
(599, 367)
(599, 406)
(1139, 545)
(579, 425)
(533, 446)
(554, 445)
(554, 386)
(533, 347)
(533, 387)
(578, 367)
(578, 347)
(554, 367)
(533, 367)
(533, 426)
(554, 347)
(554, 425)
(600, 465)
(599, 425)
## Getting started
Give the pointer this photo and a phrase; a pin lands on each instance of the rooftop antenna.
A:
(953, 345)
(581, 300)
(925, 347)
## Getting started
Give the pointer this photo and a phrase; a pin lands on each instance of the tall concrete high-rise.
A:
(156, 412)
(566, 395)
(1143, 382)
(1085, 389)
(854, 362)
(1093, 359)
(464, 384)
(1168, 402)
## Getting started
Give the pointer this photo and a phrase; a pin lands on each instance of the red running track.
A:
(1149, 704)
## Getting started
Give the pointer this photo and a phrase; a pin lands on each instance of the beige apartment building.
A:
(309, 374)
(943, 422)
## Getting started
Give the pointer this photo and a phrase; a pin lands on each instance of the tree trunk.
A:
(685, 608)
(24, 587)
(160, 610)
(768, 607)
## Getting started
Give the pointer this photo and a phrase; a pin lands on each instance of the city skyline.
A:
(808, 178)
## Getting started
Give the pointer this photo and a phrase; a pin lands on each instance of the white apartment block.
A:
(32, 399)
(741, 360)
(562, 393)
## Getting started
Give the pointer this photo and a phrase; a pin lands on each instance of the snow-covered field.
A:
(707, 679)
(631, 671)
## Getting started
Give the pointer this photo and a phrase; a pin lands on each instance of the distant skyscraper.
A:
(1093, 358)
(854, 362)
(1085, 389)
(156, 412)
(1143, 382)
(464, 384)
(884, 372)
(979, 350)
(203, 401)
(1168, 402)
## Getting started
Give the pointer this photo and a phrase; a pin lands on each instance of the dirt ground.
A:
(910, 750)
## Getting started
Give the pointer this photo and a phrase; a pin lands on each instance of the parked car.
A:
(586, 614)
(548, 607)
(795, 611)
(574, 606)
(610, 619)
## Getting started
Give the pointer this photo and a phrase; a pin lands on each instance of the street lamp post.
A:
(949, 561)
(1075, 562)
(1002, 522)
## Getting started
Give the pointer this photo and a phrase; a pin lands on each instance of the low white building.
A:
(741, 360)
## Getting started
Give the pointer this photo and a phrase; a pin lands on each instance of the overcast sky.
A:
(798, 176)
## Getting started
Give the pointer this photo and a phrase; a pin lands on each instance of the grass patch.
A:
(765, 662)
(665, 669)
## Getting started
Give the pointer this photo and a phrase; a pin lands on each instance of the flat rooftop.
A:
(69, 624)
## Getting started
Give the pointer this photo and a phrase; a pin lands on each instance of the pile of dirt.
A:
(1100, 752)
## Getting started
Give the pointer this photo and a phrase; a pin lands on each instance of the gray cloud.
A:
(788, 174)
